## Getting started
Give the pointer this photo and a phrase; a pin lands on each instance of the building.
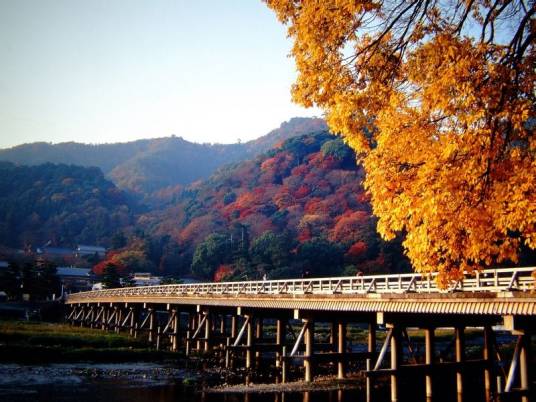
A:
(51, 252)
(83, 250)
(75, 279)
(145, 279)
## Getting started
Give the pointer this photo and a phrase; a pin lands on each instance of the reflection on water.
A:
(168, 393)
(177, 393)
(154, 383)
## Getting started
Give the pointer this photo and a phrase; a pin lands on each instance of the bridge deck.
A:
(506, 291)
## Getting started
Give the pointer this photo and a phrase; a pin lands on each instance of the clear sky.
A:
(99, 71)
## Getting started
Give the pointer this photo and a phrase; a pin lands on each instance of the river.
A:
(148, 382)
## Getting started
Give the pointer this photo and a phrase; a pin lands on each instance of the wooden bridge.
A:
(234, 320)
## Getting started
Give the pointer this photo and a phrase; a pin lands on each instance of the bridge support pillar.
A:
(460, 358)
(150, 312)
(395, 363)
(280, 332)
(524, 361)
(82, 313)
(176, 329)
(258, 339)
(208, 331)
(249, 342)
(333, 336)
(229, 355)
(198, 319)
(341, 348)
(104, 318)
(371, 348)
(189, 332)
(117, 318)
(133, 321)
(309, 349)
(223, 331)
(429, 359)
(488, 356)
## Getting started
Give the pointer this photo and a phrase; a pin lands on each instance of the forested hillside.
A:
(299, 209)
(64, 204)
(146, 166)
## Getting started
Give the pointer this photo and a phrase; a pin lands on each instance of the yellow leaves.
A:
(442, 126)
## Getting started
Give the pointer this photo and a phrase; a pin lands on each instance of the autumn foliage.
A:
(284, 201)
(438, 100)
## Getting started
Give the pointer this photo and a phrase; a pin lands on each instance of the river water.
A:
(147, 382)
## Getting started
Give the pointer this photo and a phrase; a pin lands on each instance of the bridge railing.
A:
(489, 280)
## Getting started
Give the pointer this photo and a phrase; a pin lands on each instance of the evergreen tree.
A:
(111, 277)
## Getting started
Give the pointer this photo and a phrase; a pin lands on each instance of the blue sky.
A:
(99, 71)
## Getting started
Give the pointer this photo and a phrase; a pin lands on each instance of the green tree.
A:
(110, 278)
(271, 251)
(47, 281)
(209, 254)
(320, 257)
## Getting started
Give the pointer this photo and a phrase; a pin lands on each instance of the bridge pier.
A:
(524, 361)
(249, 341)
(429, 333)
(151, 317)
(208, 330)
(308, 362)
(258, 338)
(341, 349)
(395, 362)
(460, 358)
(488, 358)
(280, 337)
(371, 349)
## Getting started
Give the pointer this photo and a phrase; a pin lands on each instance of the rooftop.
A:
(73, 271)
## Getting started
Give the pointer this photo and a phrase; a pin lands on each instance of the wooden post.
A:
(332, 337)
(488, 356)
(176, 325)
(208, 331)
(395, 362)
(118, 319)
(309, 347)
(341, 348)
(222, 325)
(91, 316)
(133, 319)
(258, 337)
(524, 360)
(429, 359)
(280, 331)
(249, 342)
(158, 332)
(104, 318)
(227, 353)
(150, 311)
(371, 348)
(197, 324)
(460, 358)
(284, 365)
(233, 326)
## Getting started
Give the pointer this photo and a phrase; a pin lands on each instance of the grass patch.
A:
(37, 342)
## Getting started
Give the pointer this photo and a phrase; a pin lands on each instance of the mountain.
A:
(64, 204)
(298, 209)
(150, 165)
